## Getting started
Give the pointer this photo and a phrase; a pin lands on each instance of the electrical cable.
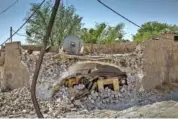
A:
(24, 22)
(119, 14)
(127, 19)
(5, 10)
(19, 34)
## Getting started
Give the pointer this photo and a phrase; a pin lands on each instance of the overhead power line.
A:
(8, 7)
(127, 18)
(24, 22)
(119, 14)
(19, 33)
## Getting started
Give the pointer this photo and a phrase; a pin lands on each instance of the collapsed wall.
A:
(53, 69)
(152, 66)
(149, 66)
(130, 64)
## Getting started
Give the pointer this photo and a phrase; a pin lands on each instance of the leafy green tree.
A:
(103, 33)
(150, 29)
(92, 35)
(114, 33)
(67, 22)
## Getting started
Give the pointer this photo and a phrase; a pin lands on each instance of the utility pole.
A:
(40, 59)
(11, 34)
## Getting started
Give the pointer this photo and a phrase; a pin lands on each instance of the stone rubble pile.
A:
(51, 70)
(17, 103)
(126, 97)
(49, 74)
(108, 97)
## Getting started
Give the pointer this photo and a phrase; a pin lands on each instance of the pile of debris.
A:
(107, 98)
(17, 103)
(52, 69)
(49, 74)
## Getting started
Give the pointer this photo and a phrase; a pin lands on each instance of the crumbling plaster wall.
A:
(15, 72)
(160, 63)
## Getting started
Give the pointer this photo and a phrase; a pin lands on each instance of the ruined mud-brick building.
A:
(153, 62)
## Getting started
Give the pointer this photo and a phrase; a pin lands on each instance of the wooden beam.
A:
(100, 85)
(110, 81)
(107, 81)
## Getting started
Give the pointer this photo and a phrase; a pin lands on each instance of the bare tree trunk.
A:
(40, 60)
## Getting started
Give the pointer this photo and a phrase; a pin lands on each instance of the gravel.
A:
(17, 104)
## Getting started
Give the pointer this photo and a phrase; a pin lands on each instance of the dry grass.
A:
(110, 48)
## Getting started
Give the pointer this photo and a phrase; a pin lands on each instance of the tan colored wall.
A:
(169, 35)
(15, 73)
(160, 63)
(1, 75)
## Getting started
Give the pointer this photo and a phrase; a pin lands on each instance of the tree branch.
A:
(40, 60)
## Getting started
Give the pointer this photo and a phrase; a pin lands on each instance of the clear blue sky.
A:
(139, 11)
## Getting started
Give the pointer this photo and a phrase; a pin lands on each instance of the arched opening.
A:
(84, 66)
(91, 73)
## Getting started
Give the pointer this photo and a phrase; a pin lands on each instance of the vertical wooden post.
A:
(116, 84)
(100, 85)
(11, 34)
(40, 59)
(92, 48)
